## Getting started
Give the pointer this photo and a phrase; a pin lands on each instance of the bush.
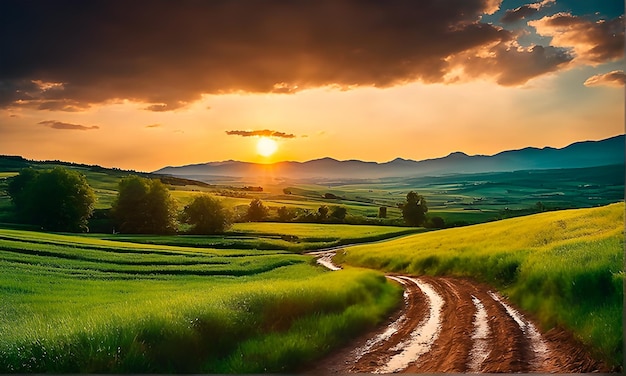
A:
(436, 222)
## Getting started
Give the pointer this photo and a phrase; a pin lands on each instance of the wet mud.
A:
(456, 325)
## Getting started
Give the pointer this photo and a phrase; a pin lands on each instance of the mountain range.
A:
(609, 151)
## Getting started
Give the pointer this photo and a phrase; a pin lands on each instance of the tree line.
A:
(61, 199)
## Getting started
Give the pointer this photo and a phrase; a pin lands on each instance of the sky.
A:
(146, 84)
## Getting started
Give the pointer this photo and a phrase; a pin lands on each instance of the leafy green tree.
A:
(20, 189)
(144, 206)
(414, 209)
(256, 211)
(59, 199)
(339, 213)
(207, 215)
(382, 212)
(286, 214)
(322, 213)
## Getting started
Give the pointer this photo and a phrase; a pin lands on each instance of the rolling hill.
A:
(578, 155)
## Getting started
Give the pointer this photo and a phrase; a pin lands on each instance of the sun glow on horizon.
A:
(266, 146)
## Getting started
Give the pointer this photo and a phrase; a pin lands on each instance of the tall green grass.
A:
(76, 305)
(565, 267)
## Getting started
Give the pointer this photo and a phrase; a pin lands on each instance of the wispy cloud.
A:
(616, 78)
(67, 126)
(162, 107)
(264, 132)
(157, 125)
(62, 105)
(525, 11)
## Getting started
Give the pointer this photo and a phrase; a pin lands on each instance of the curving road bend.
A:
(455, 325)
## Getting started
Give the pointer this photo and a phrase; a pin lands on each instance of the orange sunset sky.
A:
(142, 85)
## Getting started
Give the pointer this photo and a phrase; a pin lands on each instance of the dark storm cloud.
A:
(67, 55)
(265, 132)
(525, 11)
(60, 125)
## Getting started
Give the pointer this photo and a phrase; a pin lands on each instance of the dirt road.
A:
(456, 325)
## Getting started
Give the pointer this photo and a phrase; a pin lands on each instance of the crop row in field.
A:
(74, 304)
(566, 267)
(293, 237)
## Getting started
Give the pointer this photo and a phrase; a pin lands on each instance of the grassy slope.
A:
(565, 267)
(270, 235)
(71, 304)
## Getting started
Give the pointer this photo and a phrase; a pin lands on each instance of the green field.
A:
(77, 305)
(293, 237)
(460, 199)
(475, 198)
(565, 267)
(246, 301)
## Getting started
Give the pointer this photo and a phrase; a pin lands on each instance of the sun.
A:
(266, 146)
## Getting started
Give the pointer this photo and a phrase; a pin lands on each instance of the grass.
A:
(460, 199)
(77, 305)
(293, 237)
(565, 267)
(482, 197)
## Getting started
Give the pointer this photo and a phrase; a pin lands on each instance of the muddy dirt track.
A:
(455, 325)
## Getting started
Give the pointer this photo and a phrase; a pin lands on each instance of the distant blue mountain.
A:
(581, 154)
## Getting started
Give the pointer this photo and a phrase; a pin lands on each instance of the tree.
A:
(59, 199)
(382, 212)
(322, 213)
(339, 213)
(207, 215)
(256, 211)
(286, 214)
(414, 209)
(144, 206)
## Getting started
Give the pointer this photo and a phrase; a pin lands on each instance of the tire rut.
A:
(471, 329)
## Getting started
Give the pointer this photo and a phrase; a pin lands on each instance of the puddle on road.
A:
(325, 258)
(391, 329)
(537, 345)
(480, 348)
(327, 261)
(422, 337)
